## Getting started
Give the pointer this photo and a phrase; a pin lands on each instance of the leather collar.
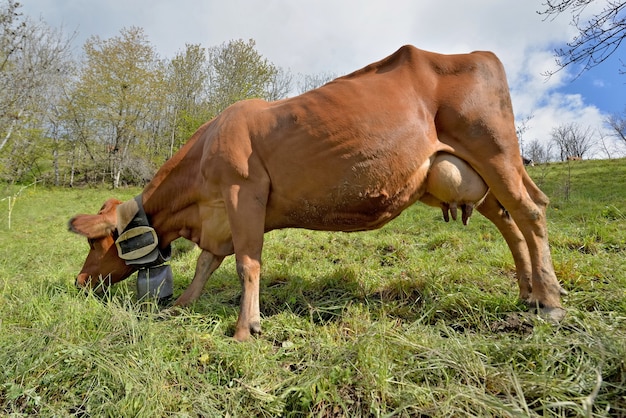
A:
(138, 243)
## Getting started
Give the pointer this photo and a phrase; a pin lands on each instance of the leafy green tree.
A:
(237, 72)
(203, 82)
(117, 103)
(187, 76)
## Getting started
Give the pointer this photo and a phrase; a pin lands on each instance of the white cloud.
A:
(599, 83)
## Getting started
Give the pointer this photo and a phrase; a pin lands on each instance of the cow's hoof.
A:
(244, 333)
(552, 315)
(241, 336)
(255, 328)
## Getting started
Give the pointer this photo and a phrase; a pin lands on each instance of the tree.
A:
(118, 101)
(203, 82)
(520, 130)
(538, 152)
(312, 81)
(187, 76)
(279, 85)
(598, 37)
(237, 72)
(617, 137)
(34, 60)
(618, 124)
(12, 36)
(572, 140)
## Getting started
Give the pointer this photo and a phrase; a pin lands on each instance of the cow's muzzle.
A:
(82, 280)
(86, 282)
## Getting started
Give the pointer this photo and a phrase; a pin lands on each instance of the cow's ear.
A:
(109, 207)
(96, 226)
(91, 226)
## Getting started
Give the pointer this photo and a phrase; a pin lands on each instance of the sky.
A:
(340, 36)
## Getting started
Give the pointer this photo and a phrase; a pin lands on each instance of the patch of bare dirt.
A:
(513, 323)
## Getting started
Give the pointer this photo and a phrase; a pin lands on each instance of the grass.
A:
(419, 318)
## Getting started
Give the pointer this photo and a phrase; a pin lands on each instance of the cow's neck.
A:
(173, 191)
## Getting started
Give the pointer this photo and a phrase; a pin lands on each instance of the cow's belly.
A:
(369, 212)
(366, 199)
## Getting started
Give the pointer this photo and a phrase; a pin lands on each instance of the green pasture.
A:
(418, 319)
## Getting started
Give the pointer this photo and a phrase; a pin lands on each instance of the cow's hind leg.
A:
(539, 197)
(493, 210)
(511, 185)
(206, 265)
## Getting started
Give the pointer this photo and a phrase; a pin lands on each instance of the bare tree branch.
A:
(618, 124)
(598, 37)
(572, 140)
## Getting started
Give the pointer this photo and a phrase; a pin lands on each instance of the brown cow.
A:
(348, 156)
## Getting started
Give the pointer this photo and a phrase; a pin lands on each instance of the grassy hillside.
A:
(419, 318)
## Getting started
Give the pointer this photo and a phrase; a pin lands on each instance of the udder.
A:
(451, 184)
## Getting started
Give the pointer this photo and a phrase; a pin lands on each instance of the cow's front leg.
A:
(206, 265)
(246, 206)
(249, 321)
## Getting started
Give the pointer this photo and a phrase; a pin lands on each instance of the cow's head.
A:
(103, 265)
